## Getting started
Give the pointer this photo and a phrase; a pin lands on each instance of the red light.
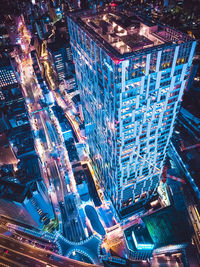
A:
(116, 61)
(6, 252)
(73, 62)
(113, 4)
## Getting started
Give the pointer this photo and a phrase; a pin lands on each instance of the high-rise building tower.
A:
(61, 55)
(7, 75)
(131, 73)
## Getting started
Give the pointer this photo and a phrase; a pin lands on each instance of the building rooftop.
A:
(138, 237)
(12, 191)
(26, 171)
(31, 165)
(11, 187)
(167, 226)
(124, 33)
(7, 154)
(21, 139)
(58, 44)
(4, 61)
(10, 93)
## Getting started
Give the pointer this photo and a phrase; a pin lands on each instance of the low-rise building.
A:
(139, 242)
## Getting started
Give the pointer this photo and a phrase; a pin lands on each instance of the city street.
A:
(27, 255)
(53, 154)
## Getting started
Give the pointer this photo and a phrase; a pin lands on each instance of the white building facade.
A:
(131, 79)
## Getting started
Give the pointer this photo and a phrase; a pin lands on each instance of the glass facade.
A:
(130, 105)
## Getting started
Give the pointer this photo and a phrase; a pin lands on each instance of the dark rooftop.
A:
(4, 61)
(13, 191)
(32, 166)
(55, 46)
(167, 226)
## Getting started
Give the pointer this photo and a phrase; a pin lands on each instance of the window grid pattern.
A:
(130, 107)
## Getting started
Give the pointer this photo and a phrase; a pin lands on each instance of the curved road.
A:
(22, 254)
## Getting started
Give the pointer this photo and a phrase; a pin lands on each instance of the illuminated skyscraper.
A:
(131, 73)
